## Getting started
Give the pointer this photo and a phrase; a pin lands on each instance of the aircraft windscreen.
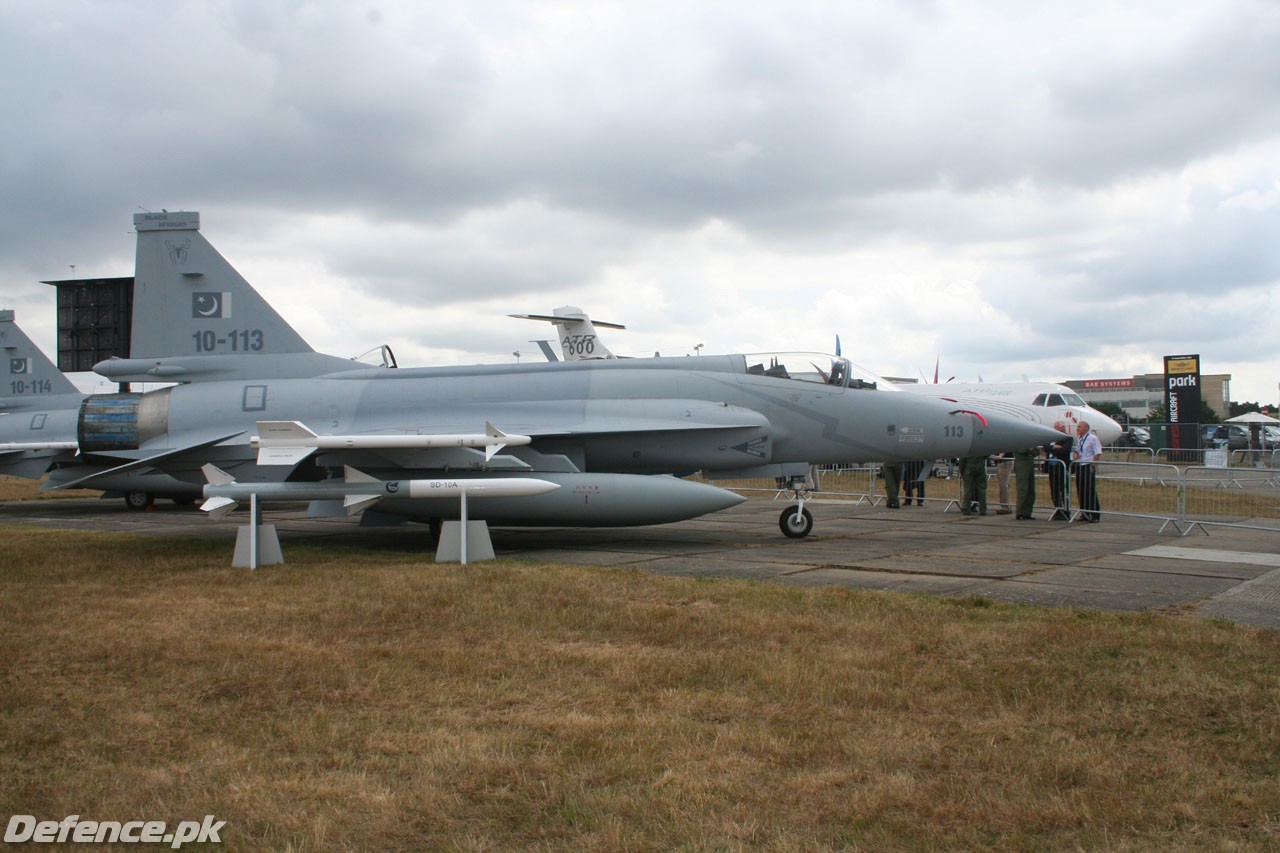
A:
(819, 368)
(1073, 399)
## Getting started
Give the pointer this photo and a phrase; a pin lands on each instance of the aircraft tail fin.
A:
(189, 300)
(579, 339)
(29, 373)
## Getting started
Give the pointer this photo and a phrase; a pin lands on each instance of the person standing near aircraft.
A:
(1057, 458)
(973, 478)
(1087, 451)
(892, 481)
(913, 476)
(1024, 476)
(1004, 469)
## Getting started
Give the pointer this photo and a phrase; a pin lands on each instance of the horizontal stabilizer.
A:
(561, 318)
(148, 462)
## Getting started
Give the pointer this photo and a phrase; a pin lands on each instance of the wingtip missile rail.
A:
(289, 442)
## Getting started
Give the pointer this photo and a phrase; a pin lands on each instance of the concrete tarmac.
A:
(1121, 564)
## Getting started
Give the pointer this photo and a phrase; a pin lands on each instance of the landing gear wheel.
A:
(795, 522)
(138, 501)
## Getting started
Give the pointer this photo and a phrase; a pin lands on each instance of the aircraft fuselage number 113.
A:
(237, 340)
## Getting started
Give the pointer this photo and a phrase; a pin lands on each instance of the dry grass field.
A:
(373, 700)
(18, 489)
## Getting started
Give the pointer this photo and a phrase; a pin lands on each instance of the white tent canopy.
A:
(1252, 418)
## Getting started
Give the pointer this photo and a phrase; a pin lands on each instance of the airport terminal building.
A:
(1138, 395)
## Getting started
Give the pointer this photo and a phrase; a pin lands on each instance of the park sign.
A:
(1182, 400)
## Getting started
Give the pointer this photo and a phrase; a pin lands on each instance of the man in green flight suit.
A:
(1024, 479)
(973, 475)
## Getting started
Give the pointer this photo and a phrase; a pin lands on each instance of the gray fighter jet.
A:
(599, 429)
(39, 406)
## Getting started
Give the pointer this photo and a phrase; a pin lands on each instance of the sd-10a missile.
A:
(289, 442)
(547, 498)
(358, 491)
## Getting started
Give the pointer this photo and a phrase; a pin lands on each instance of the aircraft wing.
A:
(154, 460)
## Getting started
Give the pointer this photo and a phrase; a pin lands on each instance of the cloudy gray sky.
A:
(1051, 190)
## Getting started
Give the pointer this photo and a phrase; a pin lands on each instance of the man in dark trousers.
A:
(913, 477)
(1057, 458)
(892, 478)
(1086, 454)
(1024, 480)
(973, 476)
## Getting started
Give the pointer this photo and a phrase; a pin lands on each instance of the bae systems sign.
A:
(1182, 399)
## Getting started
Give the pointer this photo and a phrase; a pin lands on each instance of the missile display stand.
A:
(455, 547)
(257, 544)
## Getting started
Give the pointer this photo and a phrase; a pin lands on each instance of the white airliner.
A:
(1032, 401)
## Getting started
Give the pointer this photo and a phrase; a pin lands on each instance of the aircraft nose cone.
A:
(1108, 430)
(1001, 433)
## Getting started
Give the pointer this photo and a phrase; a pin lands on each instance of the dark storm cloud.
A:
(510, 150)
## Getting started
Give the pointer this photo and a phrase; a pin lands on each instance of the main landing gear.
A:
(796, 522)
(139, 500)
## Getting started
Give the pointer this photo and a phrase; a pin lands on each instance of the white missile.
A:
(14, 446)
(359, 491)
(289, 442)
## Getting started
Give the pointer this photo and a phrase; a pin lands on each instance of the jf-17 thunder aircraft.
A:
(38, 406)
(38, 411)
(1046, 403)
(259, 413)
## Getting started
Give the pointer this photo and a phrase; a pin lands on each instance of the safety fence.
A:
(1186, 497)
(1207, 457)
(1220, 458)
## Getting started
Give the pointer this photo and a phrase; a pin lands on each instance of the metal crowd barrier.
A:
(1188, 497)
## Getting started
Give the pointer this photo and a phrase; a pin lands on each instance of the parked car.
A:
(1229, 436)
(1134, 436)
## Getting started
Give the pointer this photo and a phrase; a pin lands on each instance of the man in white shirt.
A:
(1086, 453)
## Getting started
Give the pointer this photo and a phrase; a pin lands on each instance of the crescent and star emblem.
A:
(207, 306)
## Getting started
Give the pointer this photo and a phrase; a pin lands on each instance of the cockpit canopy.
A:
(1058, 400)
(819, 368)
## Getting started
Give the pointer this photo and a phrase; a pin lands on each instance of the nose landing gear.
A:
(796, 522)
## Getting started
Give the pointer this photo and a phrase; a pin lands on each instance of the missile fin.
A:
(284, 430)
(351, 475)
(218, 507)
(283, 455)
(216, 476)
(492, 449)
(356, 504)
